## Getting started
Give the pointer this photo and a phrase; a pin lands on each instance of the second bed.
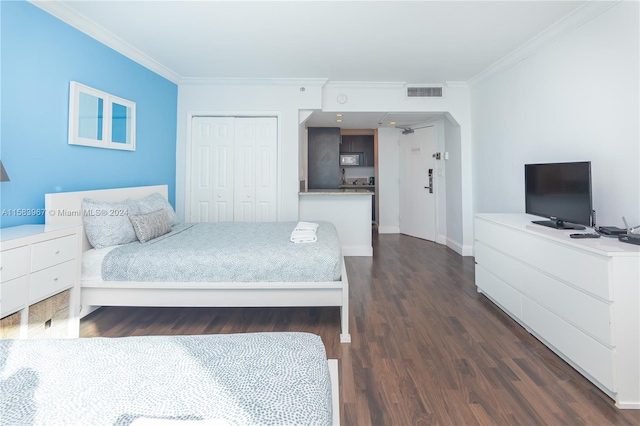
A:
(209, 264)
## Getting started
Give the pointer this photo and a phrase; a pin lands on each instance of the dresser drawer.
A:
(13, 263)
(595, 358)
(13, 295)
(52, 252)
(579, 268)
(584, 311)
(497, 236)
(502, 266)
(51, 280)
(502, 293)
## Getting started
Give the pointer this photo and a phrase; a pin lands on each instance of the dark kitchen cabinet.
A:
(324, 157)
(359, 143)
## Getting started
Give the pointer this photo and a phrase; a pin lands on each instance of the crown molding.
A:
(309, 82)
(80, 22)
(457, 84)
(365, 84)
(564, 26)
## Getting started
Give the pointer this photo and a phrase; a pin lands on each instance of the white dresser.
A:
(580, 297)
(40, 281)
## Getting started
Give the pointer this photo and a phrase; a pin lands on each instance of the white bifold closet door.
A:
(233, 169)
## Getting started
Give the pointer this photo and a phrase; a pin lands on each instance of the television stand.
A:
(578, 297)
(558, 224)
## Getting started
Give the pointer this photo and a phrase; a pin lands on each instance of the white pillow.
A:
(107, 224)
(153, 203)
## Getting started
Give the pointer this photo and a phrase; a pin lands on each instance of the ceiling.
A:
(395, 41)
(419, 42)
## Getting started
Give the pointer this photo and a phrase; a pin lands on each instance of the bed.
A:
(233, 379)
(67, 208)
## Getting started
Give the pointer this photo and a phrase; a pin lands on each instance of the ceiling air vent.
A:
(424, 92)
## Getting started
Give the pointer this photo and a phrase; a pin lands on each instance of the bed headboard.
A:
(65, 208)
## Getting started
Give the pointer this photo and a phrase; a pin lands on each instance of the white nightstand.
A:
(40, 281)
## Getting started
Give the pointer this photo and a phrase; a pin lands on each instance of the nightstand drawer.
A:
(52, 252)
(13, 263)
(51, 280)
(13, 295)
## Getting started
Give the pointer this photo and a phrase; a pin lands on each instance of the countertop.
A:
(342, 191)
(357, 186)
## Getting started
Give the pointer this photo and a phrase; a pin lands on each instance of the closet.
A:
(233, 169)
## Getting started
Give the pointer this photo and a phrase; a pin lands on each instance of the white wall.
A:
(576, 99)
(246, 98)
(388, 178)
(454, 185)
(440, 184)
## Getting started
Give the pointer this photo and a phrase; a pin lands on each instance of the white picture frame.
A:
(100, 120)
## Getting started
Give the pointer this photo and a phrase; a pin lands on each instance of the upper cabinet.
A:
(361, 144)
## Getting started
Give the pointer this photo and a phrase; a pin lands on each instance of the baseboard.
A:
(441, 239)
(388, 229)
(86, 310)
(357, 251)
(459, 248)
(628, 405)
(468, 251)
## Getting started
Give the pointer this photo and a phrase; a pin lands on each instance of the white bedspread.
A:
(228, 252)
(236, 379)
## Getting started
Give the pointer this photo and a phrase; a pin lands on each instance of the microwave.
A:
(350, 159)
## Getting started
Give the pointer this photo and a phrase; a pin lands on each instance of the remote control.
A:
(584, 235)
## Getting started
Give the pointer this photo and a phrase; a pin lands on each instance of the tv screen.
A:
(559, 191)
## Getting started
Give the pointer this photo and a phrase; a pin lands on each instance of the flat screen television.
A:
(560, 192)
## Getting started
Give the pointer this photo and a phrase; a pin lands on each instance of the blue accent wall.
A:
(40, 55)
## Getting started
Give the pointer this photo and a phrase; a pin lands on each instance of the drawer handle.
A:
(57, 251)
(55, 279)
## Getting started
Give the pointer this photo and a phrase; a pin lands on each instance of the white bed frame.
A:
(209, 294)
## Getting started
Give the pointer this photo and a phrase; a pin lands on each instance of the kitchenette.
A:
(340, 185)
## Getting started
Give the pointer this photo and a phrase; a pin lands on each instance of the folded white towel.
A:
(305, 232)
(304, 238)
(306, 226)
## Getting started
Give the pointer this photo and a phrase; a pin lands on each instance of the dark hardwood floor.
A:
(426, 347)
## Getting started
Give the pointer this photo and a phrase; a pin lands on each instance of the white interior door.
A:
(212, 163)
(245, 171)
(266, 161)
(233, 169)
(417, 203)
